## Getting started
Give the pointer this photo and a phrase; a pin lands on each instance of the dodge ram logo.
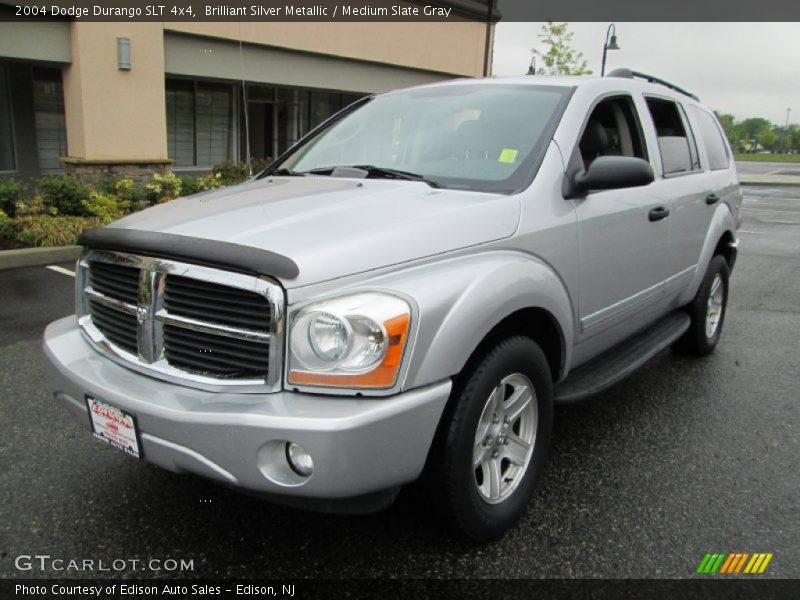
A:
(141, 314)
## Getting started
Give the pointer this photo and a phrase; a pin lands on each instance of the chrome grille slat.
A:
(213, 328)
(190, 324)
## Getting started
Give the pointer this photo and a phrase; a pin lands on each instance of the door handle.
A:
(658, 213)
(712, 199)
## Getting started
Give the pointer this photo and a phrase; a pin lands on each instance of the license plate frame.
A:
(114, 426)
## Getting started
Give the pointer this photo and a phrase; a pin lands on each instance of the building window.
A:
(7, 162)
(51, 128)
(206, 122)
(201, 120)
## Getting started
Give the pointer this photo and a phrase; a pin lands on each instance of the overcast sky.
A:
(747, 69)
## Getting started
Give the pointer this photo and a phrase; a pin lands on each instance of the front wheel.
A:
(497, 438)
(707, 310)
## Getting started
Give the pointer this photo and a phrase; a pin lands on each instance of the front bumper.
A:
(359, 445)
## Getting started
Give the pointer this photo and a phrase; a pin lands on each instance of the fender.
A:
(462, 299)
(722, 221)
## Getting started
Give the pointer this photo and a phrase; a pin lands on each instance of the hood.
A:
(332, 227)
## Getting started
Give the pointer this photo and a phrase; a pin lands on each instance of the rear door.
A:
(683, 186)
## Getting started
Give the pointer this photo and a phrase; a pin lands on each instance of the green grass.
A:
(784, 158)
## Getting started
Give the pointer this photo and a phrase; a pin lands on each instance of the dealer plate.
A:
(114, 426)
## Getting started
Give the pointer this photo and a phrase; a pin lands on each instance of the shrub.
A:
(11, 191)
(209, 182)
(44, 230)
(105, 207)
(6, 231)
(64, 192)
(164, 187)
(231, 173)
(34, 206)
(108, 184)
(189, 185)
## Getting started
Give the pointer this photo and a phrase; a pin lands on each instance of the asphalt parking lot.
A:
(683, 458)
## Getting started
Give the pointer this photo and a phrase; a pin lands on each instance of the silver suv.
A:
(409, 289)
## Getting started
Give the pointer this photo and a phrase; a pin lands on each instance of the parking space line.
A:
(61, 270)
(769, 210)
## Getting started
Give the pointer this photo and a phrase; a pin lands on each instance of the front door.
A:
(624, 233)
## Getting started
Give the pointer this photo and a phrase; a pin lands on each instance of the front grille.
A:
(216, 303)
(190, 326)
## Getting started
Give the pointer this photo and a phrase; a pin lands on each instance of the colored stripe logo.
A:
(734, 563)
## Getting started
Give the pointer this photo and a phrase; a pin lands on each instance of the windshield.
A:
(475, 137)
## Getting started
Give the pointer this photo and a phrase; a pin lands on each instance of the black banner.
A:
(402, 10)
(489, 589)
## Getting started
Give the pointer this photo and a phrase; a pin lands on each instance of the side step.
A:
(614, 365)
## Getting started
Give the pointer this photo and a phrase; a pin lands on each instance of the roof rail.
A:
(628, 74)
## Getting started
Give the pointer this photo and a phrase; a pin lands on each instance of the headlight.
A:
(354, 341)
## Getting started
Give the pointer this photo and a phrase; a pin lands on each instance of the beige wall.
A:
(454, 48)
(113, 114)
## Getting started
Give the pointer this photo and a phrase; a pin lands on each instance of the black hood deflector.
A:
(190, 249)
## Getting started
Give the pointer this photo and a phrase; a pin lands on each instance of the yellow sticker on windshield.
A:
(507, 155)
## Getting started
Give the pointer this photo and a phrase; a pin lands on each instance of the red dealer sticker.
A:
(114, 426)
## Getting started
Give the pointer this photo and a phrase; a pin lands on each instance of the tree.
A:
(767, 138)
(750, 129)
(559, 57)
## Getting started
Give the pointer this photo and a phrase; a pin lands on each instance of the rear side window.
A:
(716, 148)
(677, 146)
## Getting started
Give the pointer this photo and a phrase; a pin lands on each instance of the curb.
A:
(35, 257)
(770, 183)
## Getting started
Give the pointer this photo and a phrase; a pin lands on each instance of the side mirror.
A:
(613, 172)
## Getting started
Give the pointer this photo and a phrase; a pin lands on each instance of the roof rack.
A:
(628, 74)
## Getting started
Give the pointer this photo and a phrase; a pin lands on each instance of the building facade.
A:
(137, 98)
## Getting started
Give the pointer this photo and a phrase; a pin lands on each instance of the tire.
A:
(482, 502)
(707, 311)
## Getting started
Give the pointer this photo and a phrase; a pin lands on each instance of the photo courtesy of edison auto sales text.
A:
(131, 589)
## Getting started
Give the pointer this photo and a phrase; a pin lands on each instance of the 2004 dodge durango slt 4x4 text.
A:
(409, 289)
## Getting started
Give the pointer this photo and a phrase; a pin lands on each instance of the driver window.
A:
(613, 129)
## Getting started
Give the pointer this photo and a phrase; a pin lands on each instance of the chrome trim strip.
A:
(152, 316)
(110, 302)
(163, 316)
(605, 316)
(679, 278)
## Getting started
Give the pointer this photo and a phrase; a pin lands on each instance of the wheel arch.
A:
(720, 239)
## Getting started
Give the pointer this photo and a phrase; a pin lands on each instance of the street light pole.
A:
(610, 44)
(785, 129)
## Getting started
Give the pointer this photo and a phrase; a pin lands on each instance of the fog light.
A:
(299, 459)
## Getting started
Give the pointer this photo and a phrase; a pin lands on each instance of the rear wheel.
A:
(496, 440)
(707, 310)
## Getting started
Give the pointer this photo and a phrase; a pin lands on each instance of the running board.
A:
(616, 364)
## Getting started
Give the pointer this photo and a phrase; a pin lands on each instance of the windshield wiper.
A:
(378, 172)
(396, 174)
